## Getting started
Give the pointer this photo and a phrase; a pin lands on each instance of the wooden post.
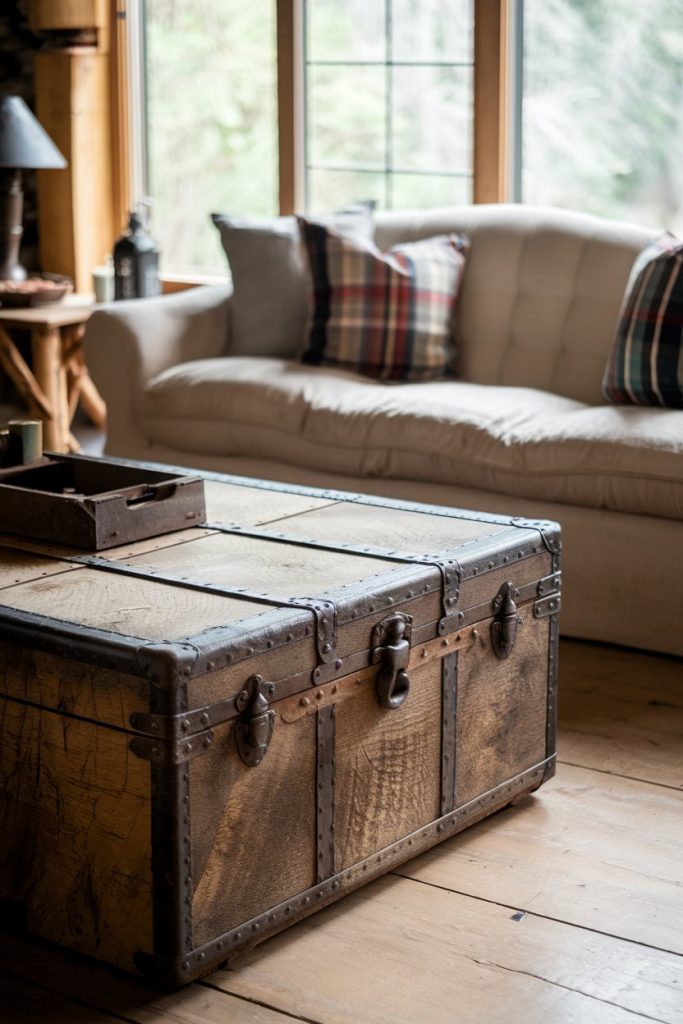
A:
(290, 104)
(491, 18)
(74, 105)
(50, 371)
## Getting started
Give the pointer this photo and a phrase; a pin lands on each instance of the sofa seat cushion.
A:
(518, 441)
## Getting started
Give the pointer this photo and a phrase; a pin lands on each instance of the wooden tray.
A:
(96, 504)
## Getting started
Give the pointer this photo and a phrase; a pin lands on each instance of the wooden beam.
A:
(120, 118)
(290, 104)
(51, 15)
(491, 100)
(75, 204)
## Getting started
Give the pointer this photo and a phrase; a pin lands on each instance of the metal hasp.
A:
(254, 730)
(506, 621)
(391, 648)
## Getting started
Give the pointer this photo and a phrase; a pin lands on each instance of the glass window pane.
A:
(432, 118)
(346, 115)
(330, 190)
(432, 30)
(602, 108)
(410, 191)
(345, 30)
(212, 120)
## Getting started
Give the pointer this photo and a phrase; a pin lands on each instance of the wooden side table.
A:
(59, 379)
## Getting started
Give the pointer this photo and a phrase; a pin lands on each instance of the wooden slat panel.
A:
(390, 528)
(400, 951)
(253, 829)
(478, 589)
(254, 506)
(592, 849)
(388, 766)
(22, 566)
(490, 100)
(75, 821)
(263, 566)
(622, 712)
(73, 105)
(72, 686)
(133, 607)
(501, 709)
(290, 104)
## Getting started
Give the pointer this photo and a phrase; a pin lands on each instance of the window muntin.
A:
(388, 102)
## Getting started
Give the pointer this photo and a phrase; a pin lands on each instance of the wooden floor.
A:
(565, 908)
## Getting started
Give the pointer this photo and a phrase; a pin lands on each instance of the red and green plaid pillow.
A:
(386, 315)
(645, 366)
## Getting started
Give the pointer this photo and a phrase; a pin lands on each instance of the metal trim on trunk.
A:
(185, 966)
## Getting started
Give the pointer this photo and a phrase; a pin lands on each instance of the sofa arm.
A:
(129, 342)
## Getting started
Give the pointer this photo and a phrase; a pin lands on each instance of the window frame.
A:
(492, 95)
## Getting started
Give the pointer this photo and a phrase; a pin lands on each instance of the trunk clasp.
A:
(505, 622)
(391, 649)
(254, 729)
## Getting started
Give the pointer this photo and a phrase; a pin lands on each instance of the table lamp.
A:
(23, 144)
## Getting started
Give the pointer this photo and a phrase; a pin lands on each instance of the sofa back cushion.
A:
(541, 292)
(270, 279)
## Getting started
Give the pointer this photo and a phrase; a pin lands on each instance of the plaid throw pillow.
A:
(645, 366)
(386, 315)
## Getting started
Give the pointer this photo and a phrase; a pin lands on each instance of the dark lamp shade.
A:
(23, 142)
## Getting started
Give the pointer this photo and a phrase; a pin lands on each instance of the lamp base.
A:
(11, 209)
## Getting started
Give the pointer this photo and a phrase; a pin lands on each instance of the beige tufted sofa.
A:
(524, 430)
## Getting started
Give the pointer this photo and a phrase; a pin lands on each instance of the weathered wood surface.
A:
(72, 686)
(403, 951)
(622, 712)
(75, 827)
(389, 528)
(595, 850)
(234, 505)
(87, 984)
(267, 567)
(253, 829)
(388, 767)
(133, 607)
(501, 709)
(407, 952)
(22, 566)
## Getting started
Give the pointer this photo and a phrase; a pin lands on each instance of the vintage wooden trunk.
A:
(209, 735)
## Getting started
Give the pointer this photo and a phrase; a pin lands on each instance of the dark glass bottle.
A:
(136, 262)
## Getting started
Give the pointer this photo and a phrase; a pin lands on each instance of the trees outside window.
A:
(386, 93)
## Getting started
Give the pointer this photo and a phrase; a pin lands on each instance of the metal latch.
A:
(391, 648)
(506, 621)
(254, 729)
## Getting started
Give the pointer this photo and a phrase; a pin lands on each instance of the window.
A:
(388, 110)
(412, 103)
(600, 107)
(386, 97)
(210, 101)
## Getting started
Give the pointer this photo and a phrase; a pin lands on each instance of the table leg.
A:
(51, 376)
(22, 378)
(81, 386)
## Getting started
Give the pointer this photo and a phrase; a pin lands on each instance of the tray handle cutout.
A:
(149, 493)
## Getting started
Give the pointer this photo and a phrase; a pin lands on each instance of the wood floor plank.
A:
(399, 951)
(22, 1003)
(596, 850)
(107, 992)
(622, 712)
